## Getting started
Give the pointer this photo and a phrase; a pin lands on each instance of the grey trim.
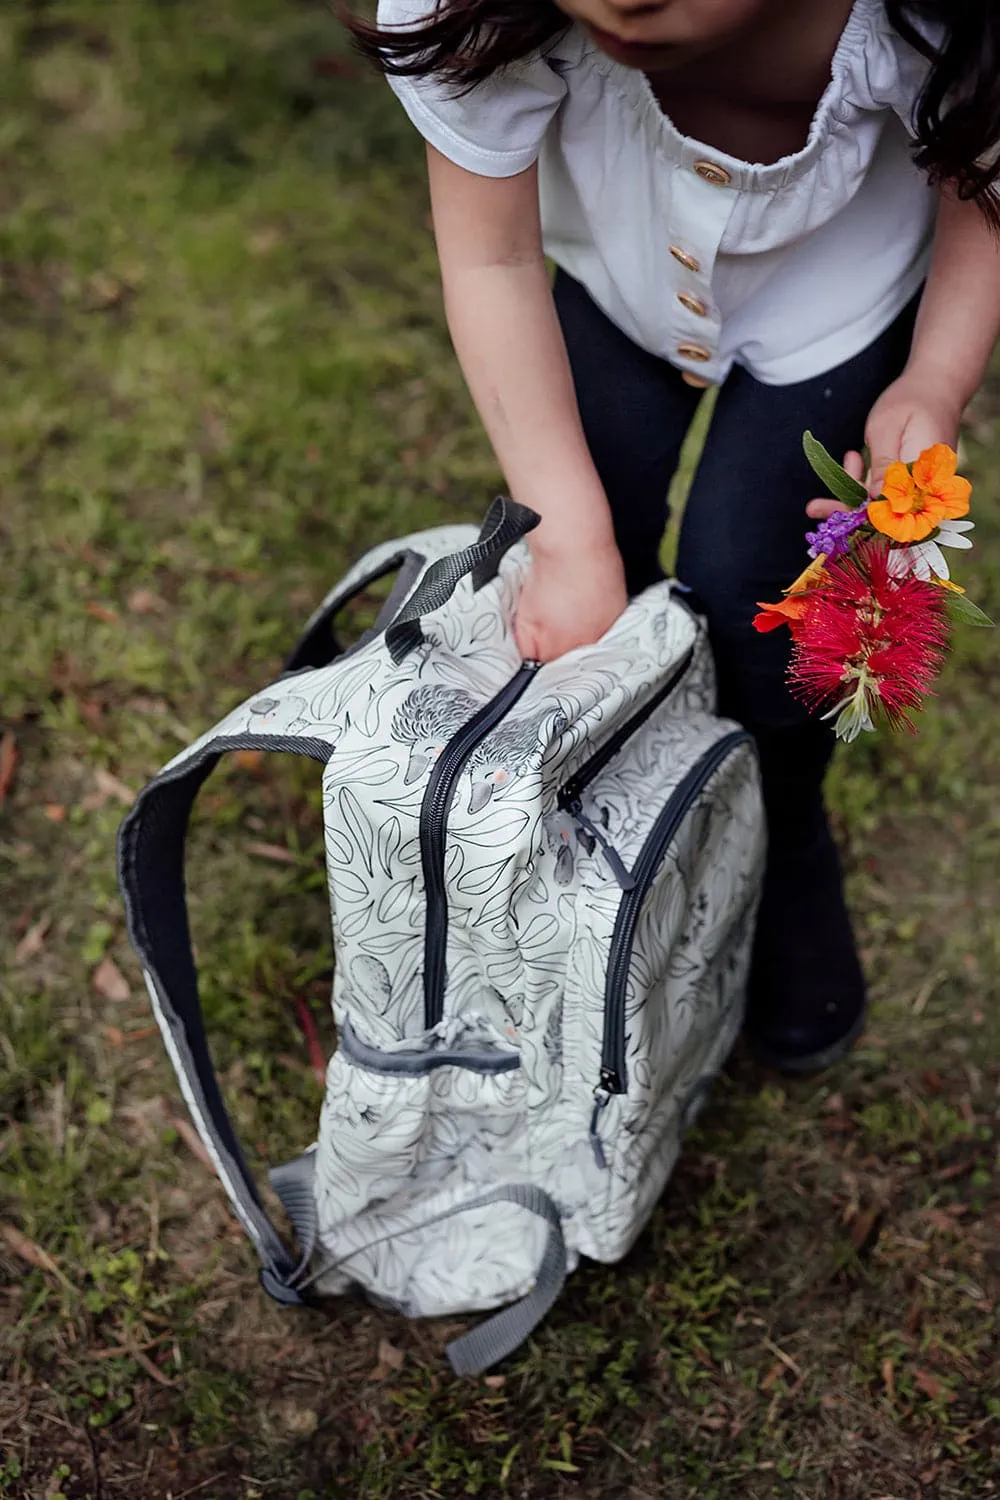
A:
(413, 1062)
(506, 523)
(289, 744)
(293, 1183)
(507, 1330)
(499, 1336)
(310, 648)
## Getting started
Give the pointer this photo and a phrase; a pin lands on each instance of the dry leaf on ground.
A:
(277, 852)
(29, 1252)
(390, 1359)
(145, 602)
(109, 981)
(33, 941)
(101, 612)
(191, 1139)
(9, 757)
(111, 786)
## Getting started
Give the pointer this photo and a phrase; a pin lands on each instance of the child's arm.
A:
(957, 329)
(504, 326)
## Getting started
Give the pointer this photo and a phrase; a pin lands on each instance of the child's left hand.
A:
(911, 415)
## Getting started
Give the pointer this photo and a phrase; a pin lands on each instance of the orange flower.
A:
(792, 609)
(789, 612)
(811, 577)
(916, 498)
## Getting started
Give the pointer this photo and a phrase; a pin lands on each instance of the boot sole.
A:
(812, 1062)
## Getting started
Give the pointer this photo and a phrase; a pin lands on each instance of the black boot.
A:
(806, 996)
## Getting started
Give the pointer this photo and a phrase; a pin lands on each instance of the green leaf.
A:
(970, 614)
(95, 944)
(98, 1112)
(836, 478)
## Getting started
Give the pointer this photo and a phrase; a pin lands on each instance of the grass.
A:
(225, 374)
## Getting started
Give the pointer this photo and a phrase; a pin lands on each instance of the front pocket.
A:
(613, 1074)
(372, 1138)
(397, 1120)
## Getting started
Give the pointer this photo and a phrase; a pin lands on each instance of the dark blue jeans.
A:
(743, 532)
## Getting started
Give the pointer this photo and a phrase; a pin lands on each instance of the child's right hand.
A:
(568, 599)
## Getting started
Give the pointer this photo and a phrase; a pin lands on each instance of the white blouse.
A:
(787, 269)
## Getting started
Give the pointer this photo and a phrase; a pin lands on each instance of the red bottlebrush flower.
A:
(871, 641)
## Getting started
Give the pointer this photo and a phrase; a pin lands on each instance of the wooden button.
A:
(687, 261)
(693, 304)
(698, 381)
(710, 171)
(694, 351)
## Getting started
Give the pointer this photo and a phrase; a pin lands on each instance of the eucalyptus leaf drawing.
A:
(499, 827)
(478, 879)
(339, 849)
(353, 923)
(354, 818)
(394, 900)
(348, 886)
(389, 839)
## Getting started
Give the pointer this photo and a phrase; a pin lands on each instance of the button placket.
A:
(701, 198)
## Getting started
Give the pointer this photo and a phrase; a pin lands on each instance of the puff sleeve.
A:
(890, 72)
(494, 130)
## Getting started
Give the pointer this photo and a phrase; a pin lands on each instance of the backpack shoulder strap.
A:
(151, 844)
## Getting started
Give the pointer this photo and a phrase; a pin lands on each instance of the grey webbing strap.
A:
(318, 645)
(500, 1335)
(507, 1330)
(506, 522)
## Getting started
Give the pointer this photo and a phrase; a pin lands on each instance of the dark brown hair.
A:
(957, 116)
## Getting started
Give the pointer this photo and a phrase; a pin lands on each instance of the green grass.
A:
(225, 373)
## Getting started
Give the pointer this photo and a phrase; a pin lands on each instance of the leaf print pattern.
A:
(358, 825)
(531, 908)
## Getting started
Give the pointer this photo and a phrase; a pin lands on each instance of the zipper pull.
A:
(601, 1102)
(624, 877)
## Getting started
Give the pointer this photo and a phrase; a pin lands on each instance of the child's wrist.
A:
(942, 379)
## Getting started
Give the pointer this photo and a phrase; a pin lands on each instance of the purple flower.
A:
(832, 536)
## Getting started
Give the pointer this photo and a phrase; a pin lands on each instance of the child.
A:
(742, 193)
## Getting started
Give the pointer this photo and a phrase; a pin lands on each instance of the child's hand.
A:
(913, 414)
(568, 599)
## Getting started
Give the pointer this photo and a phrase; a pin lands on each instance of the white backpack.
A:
(543, 884)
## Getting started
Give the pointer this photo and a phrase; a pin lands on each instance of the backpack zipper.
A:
(613, 1078)
(434, 828)
(570, 790)
(568, 797)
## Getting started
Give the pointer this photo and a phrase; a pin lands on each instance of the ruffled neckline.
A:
(635, 90)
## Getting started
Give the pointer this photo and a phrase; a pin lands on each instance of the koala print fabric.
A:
(543, 882)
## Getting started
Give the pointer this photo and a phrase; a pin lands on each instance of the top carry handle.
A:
(151, 876)
(506, 522)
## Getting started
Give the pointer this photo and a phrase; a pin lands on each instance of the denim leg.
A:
(636, 411)
(743, 535)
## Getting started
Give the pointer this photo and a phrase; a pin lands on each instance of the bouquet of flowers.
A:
(869, 617)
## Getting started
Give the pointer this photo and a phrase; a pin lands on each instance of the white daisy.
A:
(925, 559)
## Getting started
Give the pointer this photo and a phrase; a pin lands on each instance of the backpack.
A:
(543, 885)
